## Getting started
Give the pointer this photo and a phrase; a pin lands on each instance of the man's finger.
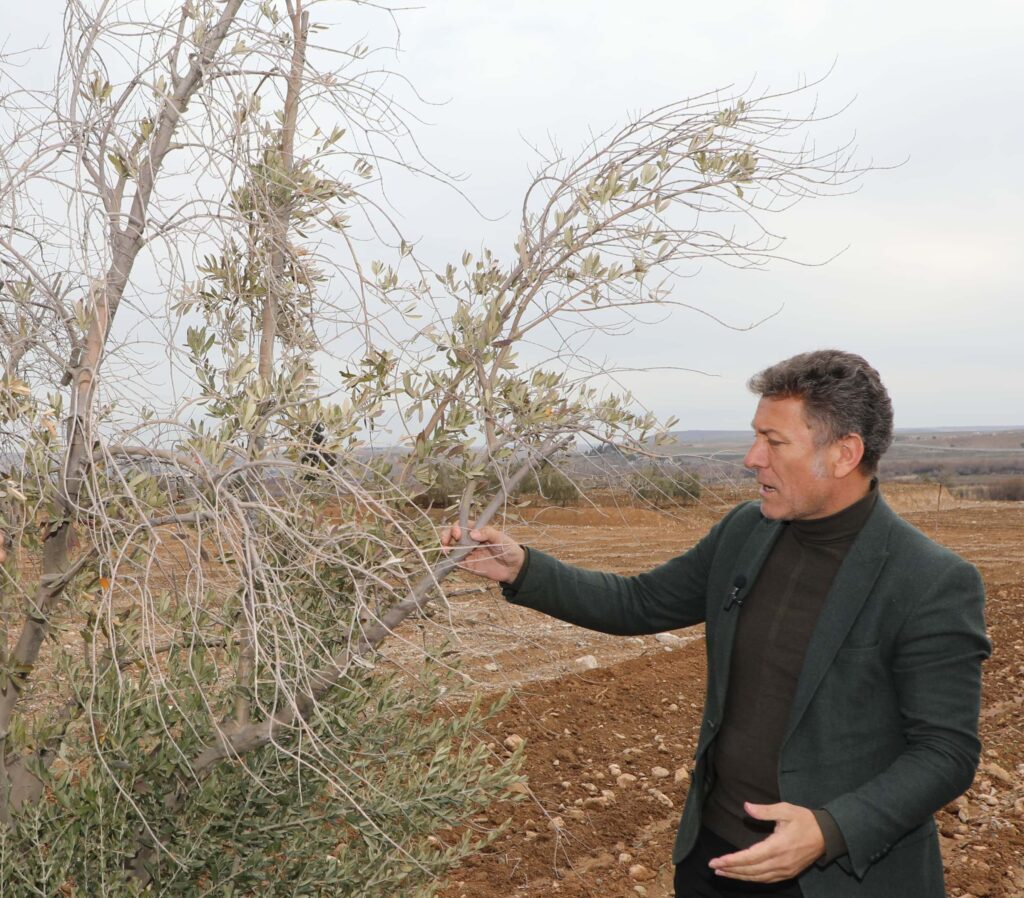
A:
(750, 865)
(452, 535)
(486, 535)
(761, 873)
(779, 811)
(755, 854)
(761, 870)
(761, 861)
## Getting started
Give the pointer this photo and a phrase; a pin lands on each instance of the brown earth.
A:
(578, 830)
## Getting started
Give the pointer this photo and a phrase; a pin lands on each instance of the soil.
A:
(578, 829)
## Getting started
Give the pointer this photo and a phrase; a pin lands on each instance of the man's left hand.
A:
(796, 843)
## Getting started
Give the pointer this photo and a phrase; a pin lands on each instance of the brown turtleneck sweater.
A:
(774, 628)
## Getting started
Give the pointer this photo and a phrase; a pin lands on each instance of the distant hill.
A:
(963, 438)
(1007, 437)
(961, 429)
(951, 454)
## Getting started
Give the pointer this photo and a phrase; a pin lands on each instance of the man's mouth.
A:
(766, 490)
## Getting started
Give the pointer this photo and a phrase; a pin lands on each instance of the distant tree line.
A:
(962, 466)
(1008, 489)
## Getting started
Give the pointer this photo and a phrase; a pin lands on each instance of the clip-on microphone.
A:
(734, 596)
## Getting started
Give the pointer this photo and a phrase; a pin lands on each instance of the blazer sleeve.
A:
(670, 596)
(936, 669)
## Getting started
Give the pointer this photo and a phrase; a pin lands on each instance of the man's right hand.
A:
(497, 556)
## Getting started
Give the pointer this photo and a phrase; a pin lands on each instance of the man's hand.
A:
(497, 556)
(796, 844)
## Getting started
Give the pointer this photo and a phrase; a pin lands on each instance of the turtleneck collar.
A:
(842, 526)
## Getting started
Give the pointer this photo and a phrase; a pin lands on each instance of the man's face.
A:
(794, 472)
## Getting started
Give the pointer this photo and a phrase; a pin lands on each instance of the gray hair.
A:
(842, 394)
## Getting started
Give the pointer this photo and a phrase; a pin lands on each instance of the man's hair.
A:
(842, 394)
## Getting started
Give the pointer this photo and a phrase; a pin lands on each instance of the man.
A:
(844, 655)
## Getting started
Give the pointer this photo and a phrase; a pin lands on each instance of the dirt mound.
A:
(602, 753)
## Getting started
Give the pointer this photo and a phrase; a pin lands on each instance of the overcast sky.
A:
(929, 287)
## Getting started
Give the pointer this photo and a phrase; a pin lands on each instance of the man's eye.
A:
(775, 442)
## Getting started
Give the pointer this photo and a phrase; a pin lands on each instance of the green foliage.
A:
(397, 772)
(360, 800)
(663, 485)
(552, 485)
(443, 484)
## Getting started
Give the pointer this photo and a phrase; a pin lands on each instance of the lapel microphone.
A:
(734, 596)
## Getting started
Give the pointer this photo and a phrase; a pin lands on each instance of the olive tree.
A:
(210, 327)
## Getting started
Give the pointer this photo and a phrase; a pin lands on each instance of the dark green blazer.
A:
(883, 728)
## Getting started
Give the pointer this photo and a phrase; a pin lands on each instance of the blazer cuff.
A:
(835, 844)
(508, 590)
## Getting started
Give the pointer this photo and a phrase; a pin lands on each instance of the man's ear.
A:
(849, 451)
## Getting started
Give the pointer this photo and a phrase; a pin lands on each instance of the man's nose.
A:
(754, 457)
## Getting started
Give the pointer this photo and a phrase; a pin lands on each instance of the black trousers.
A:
(695, 879)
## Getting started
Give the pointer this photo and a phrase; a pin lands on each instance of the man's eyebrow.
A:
(765, 430)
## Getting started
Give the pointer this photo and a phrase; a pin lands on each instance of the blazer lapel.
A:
(850, 590)
(755, 551)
